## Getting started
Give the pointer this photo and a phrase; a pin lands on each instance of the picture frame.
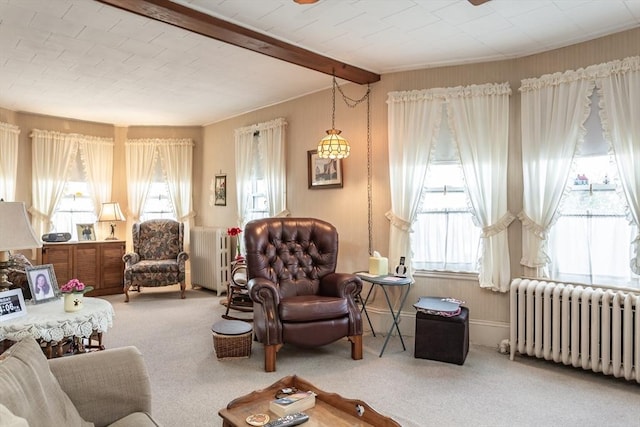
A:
(86, 232)
(323, 173)
(42, 276)
(12, 304)
(220, 190)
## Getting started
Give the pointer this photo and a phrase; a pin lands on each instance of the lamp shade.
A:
(110, 212)
(15, 229)
(333, 146)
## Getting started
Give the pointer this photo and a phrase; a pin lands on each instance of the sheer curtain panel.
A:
(52, 156)
(97, 160)
(177, 160)
(260, 149)
(479, 119)
(8, 161)
(619, 83)
(414, 120)
(140, 158)
(554, 108)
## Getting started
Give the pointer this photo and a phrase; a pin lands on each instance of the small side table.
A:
(384, 282)
(49, 324)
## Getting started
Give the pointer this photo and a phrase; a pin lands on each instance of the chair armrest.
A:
(344, 285)
(266, 298)
(131, 258)
(182, 258)
(105, 385)
(264, 291)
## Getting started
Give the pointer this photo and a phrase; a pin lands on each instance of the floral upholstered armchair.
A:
(158, 257)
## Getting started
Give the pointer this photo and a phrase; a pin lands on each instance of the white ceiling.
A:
(83, 59)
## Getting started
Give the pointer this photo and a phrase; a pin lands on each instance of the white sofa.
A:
(104, 388)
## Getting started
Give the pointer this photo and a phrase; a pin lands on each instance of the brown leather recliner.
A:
(298, 297)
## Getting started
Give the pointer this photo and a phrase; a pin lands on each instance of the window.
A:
(444, 236)
(258, 206)
(590, 242)
(76, 204)
(158, 204)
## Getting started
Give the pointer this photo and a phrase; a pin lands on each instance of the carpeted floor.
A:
(190, 385)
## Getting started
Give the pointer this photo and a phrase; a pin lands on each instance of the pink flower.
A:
(75, 286)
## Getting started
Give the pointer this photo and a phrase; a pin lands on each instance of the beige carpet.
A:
(190, 385)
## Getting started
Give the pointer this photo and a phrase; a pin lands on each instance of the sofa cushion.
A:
(306, 308)
(29, 389)
(137, 419)
(7, 419)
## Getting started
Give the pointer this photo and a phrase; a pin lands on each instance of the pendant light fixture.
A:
(333, 146)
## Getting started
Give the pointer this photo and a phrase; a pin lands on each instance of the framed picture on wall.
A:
(323, 173)
(86, 232)
(220, 190)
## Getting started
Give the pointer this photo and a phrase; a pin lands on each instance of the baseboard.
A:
(481, 332)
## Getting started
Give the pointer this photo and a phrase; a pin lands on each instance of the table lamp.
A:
(111, 212)
(15, 233)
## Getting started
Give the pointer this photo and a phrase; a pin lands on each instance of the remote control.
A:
(289, 420)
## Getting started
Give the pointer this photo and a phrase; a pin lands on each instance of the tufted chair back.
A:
(298, 296)
(295, 253)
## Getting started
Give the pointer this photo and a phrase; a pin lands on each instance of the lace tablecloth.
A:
(49, 322)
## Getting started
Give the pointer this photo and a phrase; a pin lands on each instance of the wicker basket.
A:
(232, 346)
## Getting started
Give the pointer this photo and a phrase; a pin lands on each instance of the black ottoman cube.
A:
(445, 339)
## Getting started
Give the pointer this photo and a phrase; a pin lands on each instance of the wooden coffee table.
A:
(330, 410)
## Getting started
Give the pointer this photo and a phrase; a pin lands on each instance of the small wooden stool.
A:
(232, 339)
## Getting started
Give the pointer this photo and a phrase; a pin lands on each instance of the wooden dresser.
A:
(97, 263)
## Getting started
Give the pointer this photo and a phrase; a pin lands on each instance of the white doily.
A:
(48, 321)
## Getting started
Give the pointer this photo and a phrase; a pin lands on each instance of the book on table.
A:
(296, 402)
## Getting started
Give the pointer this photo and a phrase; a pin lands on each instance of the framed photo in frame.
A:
(86, 232)
(12, 304)
(220, 190)
(43, 283)
(323, 173)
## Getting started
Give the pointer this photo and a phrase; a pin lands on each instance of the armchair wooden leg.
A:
(270, 357)
(356, 347)
(126, 293)
(183, 286)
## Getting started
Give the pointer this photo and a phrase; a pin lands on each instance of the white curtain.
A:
(52, 155)
(414, 120)
(479, 119)
(554, 109)
(176, 156)
(619, 84)
(245, 150)
(272, 144)
(140, 157)
(8, 161)
(262, 145)
(97, 160)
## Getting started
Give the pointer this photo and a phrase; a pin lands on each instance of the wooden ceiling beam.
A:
(216, 28)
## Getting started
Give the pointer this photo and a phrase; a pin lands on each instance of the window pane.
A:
(444, 237)
(75, 207)
(590, 242)
(158, 203)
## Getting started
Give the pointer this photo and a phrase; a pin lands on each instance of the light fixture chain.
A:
(369, 175)
(352, 103)
(333, 112)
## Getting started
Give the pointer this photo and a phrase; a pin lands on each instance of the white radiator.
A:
(593, 328)
(210, 258)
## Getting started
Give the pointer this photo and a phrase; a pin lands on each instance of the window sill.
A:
(454, 275)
